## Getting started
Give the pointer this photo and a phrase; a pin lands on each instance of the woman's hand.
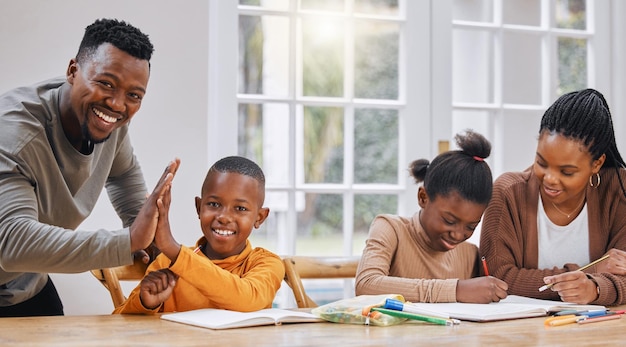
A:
(615, 264)
(573, 286)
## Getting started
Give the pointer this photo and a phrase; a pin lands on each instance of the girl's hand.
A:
(481, 290)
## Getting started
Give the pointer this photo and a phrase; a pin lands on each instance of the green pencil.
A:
(402, 314)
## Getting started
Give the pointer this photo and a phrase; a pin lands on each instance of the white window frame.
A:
(598, 34)
(414, 105)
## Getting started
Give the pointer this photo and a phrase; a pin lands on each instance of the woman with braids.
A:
(566, 210)
(424, 257)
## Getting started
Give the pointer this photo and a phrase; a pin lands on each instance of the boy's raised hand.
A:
(481, 290)
(156, 287)
(143, 229)
(163, 238)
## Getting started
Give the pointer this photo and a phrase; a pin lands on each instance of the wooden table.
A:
(138, 330)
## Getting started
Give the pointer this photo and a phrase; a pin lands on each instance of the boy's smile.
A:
(230, 207)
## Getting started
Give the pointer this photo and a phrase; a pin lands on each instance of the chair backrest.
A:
(299, 267)
(111, 277)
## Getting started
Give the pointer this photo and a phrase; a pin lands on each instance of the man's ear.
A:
(72, 70)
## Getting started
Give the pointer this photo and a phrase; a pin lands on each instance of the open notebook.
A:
(512, 307)
(224, 319)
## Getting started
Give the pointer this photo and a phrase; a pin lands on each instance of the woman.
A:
(566, 210)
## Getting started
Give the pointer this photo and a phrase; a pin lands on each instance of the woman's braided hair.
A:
(584, 115)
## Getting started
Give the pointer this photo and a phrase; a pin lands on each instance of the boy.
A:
(223, 271)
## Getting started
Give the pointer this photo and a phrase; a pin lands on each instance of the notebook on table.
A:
(513, 307)
(224, 319)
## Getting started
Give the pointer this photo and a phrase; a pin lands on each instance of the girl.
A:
(424, 257)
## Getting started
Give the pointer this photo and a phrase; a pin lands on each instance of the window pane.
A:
(521, 67)
(262, 129)
(378, 7)
(472, 64)
(522, 12)
(267, 4)
(519, 146)
(572, 64)
(264, 53)
(473, 10)
(266, 236)
(376, 146)
(322, 57)
(571, 14)
(322, 5)
(376, 60)
(323, 145)
(320, 225)
(366, 207)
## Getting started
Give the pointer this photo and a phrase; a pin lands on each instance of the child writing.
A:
(424, 258)
(223, 271)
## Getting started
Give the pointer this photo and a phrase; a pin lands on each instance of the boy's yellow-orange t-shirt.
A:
(244, 282)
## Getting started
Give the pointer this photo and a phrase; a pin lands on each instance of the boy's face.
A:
(448, 220)
(230, 206)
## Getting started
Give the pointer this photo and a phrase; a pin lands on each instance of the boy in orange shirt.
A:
(223, 270)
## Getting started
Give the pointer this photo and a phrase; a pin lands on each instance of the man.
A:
(61, 142)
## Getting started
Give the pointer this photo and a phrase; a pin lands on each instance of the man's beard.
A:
(87, 135)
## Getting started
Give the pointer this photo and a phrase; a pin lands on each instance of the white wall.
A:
(37, 40)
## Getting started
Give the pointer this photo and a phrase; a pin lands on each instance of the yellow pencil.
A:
(581, 269)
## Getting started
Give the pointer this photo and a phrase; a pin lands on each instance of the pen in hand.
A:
(547, 286)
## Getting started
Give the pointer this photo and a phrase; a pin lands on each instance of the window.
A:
(511, 60)
(320, 108)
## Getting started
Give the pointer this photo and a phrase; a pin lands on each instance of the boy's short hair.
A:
(240, 165)
(118, 33)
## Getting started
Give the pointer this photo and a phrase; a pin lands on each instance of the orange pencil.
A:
(485, 266)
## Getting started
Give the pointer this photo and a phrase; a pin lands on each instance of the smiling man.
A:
(61, 142)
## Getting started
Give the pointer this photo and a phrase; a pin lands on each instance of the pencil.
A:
(600, 319)
(485, 266)
(542, 288)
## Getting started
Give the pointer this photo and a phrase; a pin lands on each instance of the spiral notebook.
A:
(224, 319)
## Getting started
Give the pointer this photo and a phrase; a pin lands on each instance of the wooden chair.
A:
(111, 277)
(299, 267)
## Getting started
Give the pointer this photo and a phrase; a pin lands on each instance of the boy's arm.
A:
(133, 303)
(253, 290)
